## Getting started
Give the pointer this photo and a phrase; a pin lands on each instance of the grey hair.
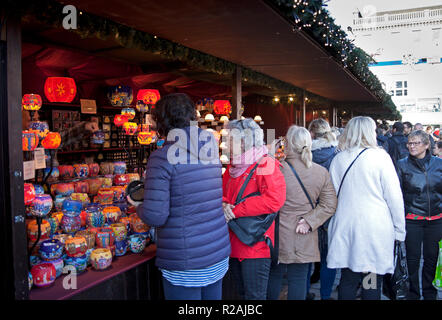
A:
(424, 137)
(248, 131)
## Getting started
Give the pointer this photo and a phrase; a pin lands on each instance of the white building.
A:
(407, 46)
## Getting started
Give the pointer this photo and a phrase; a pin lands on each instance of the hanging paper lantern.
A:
(52, 141)
(29, 193)
(222, 107)
(31, 102)
(146, 137)
(60, 89)
(29, 140)
(130, 128)
(129, 112)
(120, 96)
(120, 119)
(146, 99)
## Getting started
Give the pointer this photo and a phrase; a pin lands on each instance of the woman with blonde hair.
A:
(300, 217)
(323, 150)
(370, 213)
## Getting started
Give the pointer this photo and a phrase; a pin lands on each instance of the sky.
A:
(342, 10)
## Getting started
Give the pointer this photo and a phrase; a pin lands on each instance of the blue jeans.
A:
(251, 277)
(210, 292)
(297, 273)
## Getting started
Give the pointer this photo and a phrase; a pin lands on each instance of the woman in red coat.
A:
(250, 265)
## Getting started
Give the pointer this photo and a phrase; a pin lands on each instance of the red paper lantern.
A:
(222, 107)
(148, 96)
(31, 102)
(120, 119)
(60, 89)
(130, 128)
(29, 140)
(52, 141)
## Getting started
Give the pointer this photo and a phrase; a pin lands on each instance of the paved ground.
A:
(315, 289)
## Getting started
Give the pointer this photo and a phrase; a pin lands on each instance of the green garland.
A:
(49, 12)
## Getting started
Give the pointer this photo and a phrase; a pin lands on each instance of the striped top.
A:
(197, 277)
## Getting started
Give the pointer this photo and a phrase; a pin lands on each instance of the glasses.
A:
(412, 144)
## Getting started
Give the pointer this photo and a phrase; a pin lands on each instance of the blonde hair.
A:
(321, 129)
(360, 132)
(299, 141)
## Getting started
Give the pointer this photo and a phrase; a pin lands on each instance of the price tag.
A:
(39, 158)
(88, 106)
(28, 170)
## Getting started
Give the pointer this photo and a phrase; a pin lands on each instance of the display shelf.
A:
(91, 277)
(99, 150)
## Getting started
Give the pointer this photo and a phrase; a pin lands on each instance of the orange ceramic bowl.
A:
(89, 236)
(137, 225)
(32, 229)
(76, 247)
(112, 214)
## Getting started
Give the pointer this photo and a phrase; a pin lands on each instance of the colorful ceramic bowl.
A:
(72, 207)
(120, 231)
(126, 222)
(94, 216)
(106, 168)
(94, 186)
(136, 243)
(120, 96)
(83, 218)
(58, 264)
(107, 181)
(29, 193)
(81, 170)
(64, 189)
(94, 169)
(101, 258)
(121, 179)
(112, 214)
(83, 198)
(133, 177)
(41, 128)
(89, 236)
(81, 187)
(105, 196)
(54, 222)
(58, 202)
(41, 205)
(137, 225)
(39, 189)
(62, 237)
(122, 204)
(43, 274)
(32, 230)
(70, 224)
(80, 263)
(119, 193)
(51, 249)
(121, 247)
(66, 172)
(76, 246)
(119, 167)
(104, 238)
(98, 137)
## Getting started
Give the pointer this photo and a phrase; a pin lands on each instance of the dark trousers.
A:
(422, 234)
(297, 274)
(348, 286)
(251, 277)
(210, 292)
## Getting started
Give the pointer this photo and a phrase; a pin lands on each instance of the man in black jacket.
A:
(397, 144)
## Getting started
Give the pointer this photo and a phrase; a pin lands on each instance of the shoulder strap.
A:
(340, 186)
(302, 185)
(246, 182)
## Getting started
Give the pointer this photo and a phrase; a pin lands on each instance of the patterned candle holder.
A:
(94, 216)
(32, 230)
(58, 265)
(83, 198)
(121, 179)
(137, 225)
(43, 274)
(70, 224)
(80, 263)
(136, 243)
(121, 247)
(112, 214)
(81, 187)
(62, 237)
(126, 222)
(94, 186)
(64, 189)
(105, 196)
(76, 246)
(89, 236)
(41, 205)
(98, 137)
(120, 167)
(54, 175)
(50, 250)
(72, 208)
(108, 180)
(30, 193)
(120, 231)
(39, 189)
(120, 96)
(94, 169)
(105, 238)
(58, 202)
(81, 170)
(66, 172)
(133, 177)
(101, 258)
(106, 168)
(119, 193)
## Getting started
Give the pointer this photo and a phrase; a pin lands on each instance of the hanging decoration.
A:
(130, 128)
(120, 96)
(52, 141)
(60, 89)
(128, 112)
(120, 119)
(29, 140)
(41, 128)
(205, 104)
(146, 99)
(31, 102)
(222, 107)
(146, 137)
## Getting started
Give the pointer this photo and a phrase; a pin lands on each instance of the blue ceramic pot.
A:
(136, 243)
(58, 202)
(120, 248)
(70, 224)
(38, 189)
(119, 167)
(58, 264)
(72, 208)
(50, 249)
(80, 263)
(40, 126)
(94, 216)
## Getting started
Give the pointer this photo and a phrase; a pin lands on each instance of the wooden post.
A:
(12, 218)
(335, 116)
(236, 93)
(303, 109)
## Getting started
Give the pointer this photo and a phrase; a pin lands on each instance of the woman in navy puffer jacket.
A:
(183, 199)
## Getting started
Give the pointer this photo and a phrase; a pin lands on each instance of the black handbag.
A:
(250, 230)
(396, 285)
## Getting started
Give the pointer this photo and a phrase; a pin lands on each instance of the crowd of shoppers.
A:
(337, 202)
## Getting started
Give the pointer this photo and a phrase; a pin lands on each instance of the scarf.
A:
(241, 162)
